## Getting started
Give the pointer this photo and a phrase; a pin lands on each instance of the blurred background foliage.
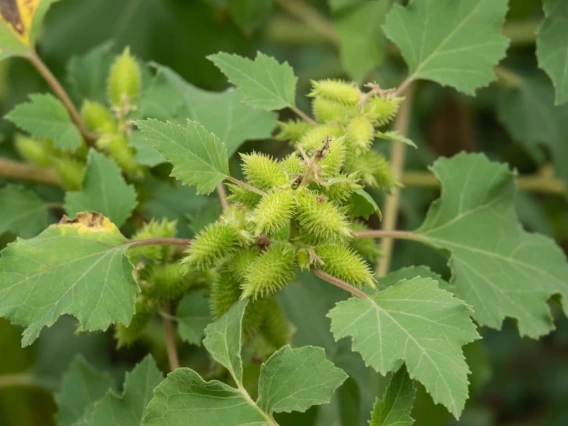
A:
(515, 381)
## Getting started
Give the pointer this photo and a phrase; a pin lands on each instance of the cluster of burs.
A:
(110, 125)
(291, 214)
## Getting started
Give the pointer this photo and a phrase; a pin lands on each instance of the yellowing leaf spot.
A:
(89, 222)
(18, 16)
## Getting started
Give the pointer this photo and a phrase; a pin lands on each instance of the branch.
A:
(311, 17)
(303, 115)
(160, 241)
(11, 169)
(222, 197)
(170, 337)
(401, 235)
(340, 283)
(25, 379)
(391, 204)
(246, 186)
(63, 96)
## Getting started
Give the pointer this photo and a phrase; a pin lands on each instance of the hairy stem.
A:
(11, 169)
(222, 197)
(391, 204)
(170, 337)
(62, 95)
(311, 17)
(246, 186)
(340, 283)
(160, 241)
(302, 114)
(401, 235)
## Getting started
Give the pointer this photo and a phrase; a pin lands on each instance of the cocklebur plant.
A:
(235, 274)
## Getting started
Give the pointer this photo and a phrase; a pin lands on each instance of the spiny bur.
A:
(322, 220)
(97, 117)
(212, 245)
(333, 157)
(126, 336)
(71, 172)
(225, 291)
(367, 248)
(382, 109)
(326, 110)
(292, 130)
(125, 80)
(262, 171)
(156, 253)
(336, 90)
(275, 327)
(38, 152)
(241, 195)
(344, 264)
(271, 271)
(360, 133)
(315, 136)
(274, 212)
(171, 281)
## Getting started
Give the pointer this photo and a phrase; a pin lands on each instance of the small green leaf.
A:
(87, 74)
(223, 340)
(19, 25)
(223, 114)
(497, 267)
(454, 43)
(198, 156)
(396, 405)
(296, 379)
(551, 46)
(264, 82)
(394, 136)
(362, 204)
(250, 14)
(185, 399)
(193, 315)
(75, 268)
(146, 154)
(359, 30)
(46, 117)
(417, 322)
(126, 409)
(81, 386)
(22, 212)
(104, 190)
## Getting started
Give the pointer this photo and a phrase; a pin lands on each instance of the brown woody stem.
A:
(170, 337)
(340, 283)
(11, 169)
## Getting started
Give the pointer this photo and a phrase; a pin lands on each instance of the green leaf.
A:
(362, 204)
(359, 30)
(104, 190)
(198, 156)
(497, 267)
(396, 405)
(185, 399)
(223, 340)
(87, 74)
(250, 14)
(46, 117)
(417, 322)
(126, 409)
(411, 272)
(22, 212)
(223, 114)
(81, 386)
(552, 46)
(295, 379)
(193, 315)
(19, 25)
(146, 154)
(531, 118)
(337, 5)
(264, 82)
(75, 268)
(454, 43)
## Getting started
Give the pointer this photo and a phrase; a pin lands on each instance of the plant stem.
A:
(222, 197)
(311, 17)
(532, 183)
(379, 233)
(506, 77)
(62, 95)
(170, 337)
(160, 241)
(11, 169)
(391, 204)
(340, 283)
(302, 114)
(25, 379)
(246, 186)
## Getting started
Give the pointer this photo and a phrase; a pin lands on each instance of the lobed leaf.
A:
(454, 43)
(396, 405)
(193, 315)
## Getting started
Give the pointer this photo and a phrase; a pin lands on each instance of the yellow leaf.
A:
(18, 16)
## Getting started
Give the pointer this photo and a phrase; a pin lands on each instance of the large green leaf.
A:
(497, 267)
(81, 386)
(125, 409)
(223, 114)
(264, 82)
(193, 315)
(104, 190)
(198, 156)
(46, 117)
(454, 43)
(22, 211)
(417, 322)
(552, 46)
(530, 116)
(76, 268)
(359, 30)
(20, 22)
(295, 379)
(396, 405)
